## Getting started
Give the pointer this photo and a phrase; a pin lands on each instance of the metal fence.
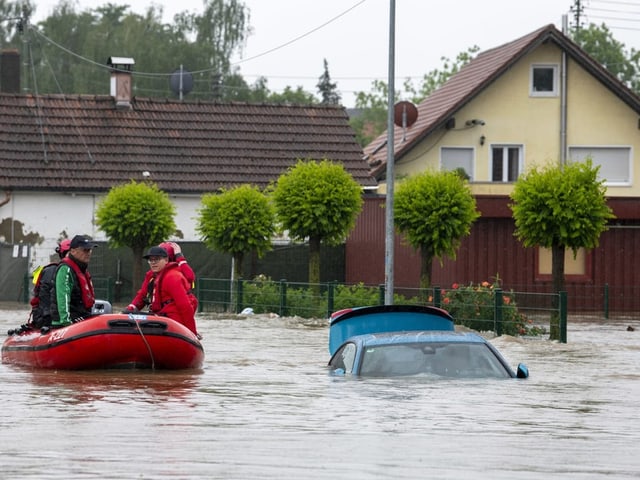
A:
(483, 309)
(539, 311)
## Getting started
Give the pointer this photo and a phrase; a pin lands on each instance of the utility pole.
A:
(389, 221)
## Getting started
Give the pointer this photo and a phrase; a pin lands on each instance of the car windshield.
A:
(457, 360)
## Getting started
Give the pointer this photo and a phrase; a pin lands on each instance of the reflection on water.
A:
(264, 406)
(69, 387)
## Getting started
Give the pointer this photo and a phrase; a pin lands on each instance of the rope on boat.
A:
(153, 362)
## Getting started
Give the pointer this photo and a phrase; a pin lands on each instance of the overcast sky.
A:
(291, 38)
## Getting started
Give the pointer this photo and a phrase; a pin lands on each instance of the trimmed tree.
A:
(558, 207)
(237, 221)
(136, 215)
(434, 210)
(318, 201)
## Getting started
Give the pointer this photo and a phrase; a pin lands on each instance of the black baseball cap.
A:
(80, 241)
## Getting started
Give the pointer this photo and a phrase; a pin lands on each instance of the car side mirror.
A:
(523, 371)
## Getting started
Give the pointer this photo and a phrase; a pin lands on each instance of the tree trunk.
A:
(557, 275)
(238, 258)
(314, 262)
(425, 267)
(236, 274)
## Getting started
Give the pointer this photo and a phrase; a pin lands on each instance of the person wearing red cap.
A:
(170, 291)
(72, 297)
(43, 280)
(174, 254)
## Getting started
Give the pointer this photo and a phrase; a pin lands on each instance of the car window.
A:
(344, 358)
(458, 360)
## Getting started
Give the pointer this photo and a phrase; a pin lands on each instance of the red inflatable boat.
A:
(107, 341)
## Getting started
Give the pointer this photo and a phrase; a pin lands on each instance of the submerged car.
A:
(397, 340)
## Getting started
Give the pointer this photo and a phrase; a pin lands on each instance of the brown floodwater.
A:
(265, 407)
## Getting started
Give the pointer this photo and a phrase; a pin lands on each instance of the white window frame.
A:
(505, 161)
(599, 154)
(458, 162)
(544, 93)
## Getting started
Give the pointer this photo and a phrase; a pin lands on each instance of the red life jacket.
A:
(84, 281)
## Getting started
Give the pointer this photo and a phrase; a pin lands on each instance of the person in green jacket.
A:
(72, 297)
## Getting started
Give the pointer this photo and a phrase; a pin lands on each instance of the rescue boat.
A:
(105, 341)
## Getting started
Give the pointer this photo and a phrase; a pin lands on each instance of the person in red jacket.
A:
(143, 297)
(175, 255)
(171, 292)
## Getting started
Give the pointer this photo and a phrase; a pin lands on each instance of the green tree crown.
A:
(317, 199)
(236, 221)
(136, 215)
(560, 206)
(434, 210)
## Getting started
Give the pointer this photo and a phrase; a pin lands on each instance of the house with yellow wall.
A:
(535, 100)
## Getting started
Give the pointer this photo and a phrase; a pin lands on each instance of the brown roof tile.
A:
(83, 143)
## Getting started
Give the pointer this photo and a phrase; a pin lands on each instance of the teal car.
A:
(401, 340)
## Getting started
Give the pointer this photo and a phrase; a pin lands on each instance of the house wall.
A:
(595, 117)
(42, 219)
(492, 252)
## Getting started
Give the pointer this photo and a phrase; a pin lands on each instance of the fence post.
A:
(563, 316)
(283, 297)
(199, 295)
(437, 297)
(26, 291)
(381, 294)
(109, 290)
(239, 291)
(606, 300)
(330, 292)
(498, 301)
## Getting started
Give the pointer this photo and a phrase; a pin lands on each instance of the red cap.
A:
(169, 249)
(64, 247)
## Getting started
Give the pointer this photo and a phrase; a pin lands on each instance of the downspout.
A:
(563, 98)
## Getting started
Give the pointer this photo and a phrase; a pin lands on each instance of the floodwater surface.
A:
(265, 407)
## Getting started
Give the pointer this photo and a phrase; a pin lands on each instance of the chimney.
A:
(10, 71)
(121, 80)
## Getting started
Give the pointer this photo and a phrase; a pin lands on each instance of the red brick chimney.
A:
(121, 81)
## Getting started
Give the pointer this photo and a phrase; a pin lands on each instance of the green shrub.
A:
(358, 295)
(262, 294)
(305, 303)
(473, 306)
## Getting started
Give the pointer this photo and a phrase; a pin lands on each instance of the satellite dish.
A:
(181, 82)
(405, 114)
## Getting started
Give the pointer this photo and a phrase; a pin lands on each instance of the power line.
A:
(213, 69)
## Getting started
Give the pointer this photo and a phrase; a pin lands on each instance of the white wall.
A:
(53, 216)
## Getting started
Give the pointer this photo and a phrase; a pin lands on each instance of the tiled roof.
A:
(84, 143)
(473, 78)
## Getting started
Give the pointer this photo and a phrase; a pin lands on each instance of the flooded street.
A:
(264, 407)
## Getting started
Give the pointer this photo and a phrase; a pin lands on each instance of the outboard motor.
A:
(100, 307)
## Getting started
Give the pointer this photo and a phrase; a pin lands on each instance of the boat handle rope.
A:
(153, 362)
